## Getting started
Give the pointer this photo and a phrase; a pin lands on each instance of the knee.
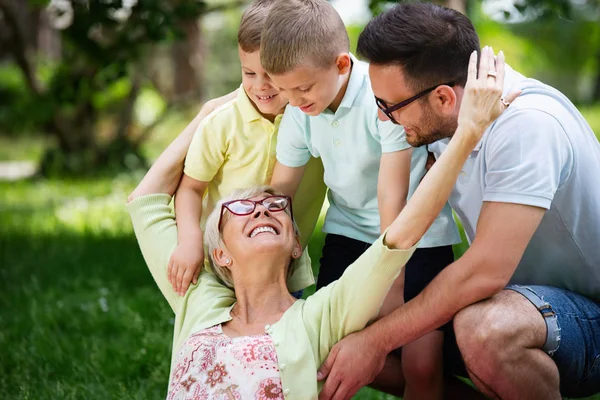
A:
(483, 334)
(422, 372)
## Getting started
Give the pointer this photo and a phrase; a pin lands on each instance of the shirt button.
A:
(338, 143)
(267, 327)
(463, 173)
(276, 343)
(335, 123)
(282, 366)
(286, 392)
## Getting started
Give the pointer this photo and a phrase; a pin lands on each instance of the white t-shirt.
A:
(540, 152)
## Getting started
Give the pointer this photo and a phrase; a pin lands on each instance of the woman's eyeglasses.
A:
(246, 206)
(388, 110)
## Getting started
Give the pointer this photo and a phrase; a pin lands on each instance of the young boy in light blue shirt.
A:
(370, 169)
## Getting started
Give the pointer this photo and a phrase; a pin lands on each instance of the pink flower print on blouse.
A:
(269, 389)
(230, 393)
(216, 375)
(258, 351)
(187, 383)
(210, 365)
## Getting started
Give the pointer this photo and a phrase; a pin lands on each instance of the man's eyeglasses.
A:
(246, 206)
(388, 110)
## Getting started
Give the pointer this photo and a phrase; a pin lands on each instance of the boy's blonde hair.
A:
(252, 24)
(302, 31)
(213, 238)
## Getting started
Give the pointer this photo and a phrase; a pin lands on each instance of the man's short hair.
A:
(252, 24)
(302, 31)
(432, 44)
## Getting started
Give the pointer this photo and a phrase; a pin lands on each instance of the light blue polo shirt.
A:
(350, 143)
(540, 152)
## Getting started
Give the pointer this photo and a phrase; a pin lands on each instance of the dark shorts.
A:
(338, 253)
(572, 339)
(341, 251)
(423, 266)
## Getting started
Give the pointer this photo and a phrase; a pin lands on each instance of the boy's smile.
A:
(259, 87)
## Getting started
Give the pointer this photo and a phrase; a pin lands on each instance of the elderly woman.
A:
(239, 334)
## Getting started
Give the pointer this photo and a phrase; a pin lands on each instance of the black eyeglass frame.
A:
(225, 206)
(389, 110)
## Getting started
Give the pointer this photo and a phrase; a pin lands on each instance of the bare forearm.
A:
(392, 185)
(188, 211)
(457, 286)
(431, 194)
(287, 179)
(389, 211)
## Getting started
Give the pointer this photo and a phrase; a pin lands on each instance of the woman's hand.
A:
(482, 102)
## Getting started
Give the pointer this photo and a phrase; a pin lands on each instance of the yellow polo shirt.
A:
(234, 147)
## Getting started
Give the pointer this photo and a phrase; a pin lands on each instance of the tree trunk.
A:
(188, 61)
(49, 44)
(21, 44)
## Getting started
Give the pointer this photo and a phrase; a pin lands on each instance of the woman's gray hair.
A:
(213, 239)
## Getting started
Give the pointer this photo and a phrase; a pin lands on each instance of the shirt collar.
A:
(247, 109)
(357, 77)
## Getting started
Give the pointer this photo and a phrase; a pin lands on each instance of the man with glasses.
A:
(525, 297)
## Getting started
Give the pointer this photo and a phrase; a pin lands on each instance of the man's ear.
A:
(444, 99)
(222, 258)
(343, 63)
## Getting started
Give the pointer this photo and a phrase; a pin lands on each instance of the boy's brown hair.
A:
(301, 31)
(252, 24)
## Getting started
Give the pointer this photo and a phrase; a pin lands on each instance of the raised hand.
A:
(482, 102)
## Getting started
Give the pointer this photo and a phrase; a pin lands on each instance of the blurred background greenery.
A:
(90, 93)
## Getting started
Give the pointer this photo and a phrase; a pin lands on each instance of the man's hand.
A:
(185, 266)
(354, 362)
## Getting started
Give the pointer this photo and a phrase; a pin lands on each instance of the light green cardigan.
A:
(305, 333)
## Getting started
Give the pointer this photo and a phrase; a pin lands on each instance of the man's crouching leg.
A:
(501, 341)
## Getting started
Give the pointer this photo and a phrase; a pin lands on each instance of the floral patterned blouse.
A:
(211, 365)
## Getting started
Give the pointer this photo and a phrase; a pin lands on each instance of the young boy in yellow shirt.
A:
(234, 147)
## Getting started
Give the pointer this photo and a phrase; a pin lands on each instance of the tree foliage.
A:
(106, 45)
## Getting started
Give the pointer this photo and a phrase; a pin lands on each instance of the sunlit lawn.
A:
(80, 316)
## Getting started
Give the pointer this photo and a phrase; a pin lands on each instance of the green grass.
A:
(81, 317)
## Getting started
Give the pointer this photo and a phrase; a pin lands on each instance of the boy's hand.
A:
(185, 266)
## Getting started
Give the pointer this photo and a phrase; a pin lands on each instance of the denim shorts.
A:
(573, 336)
